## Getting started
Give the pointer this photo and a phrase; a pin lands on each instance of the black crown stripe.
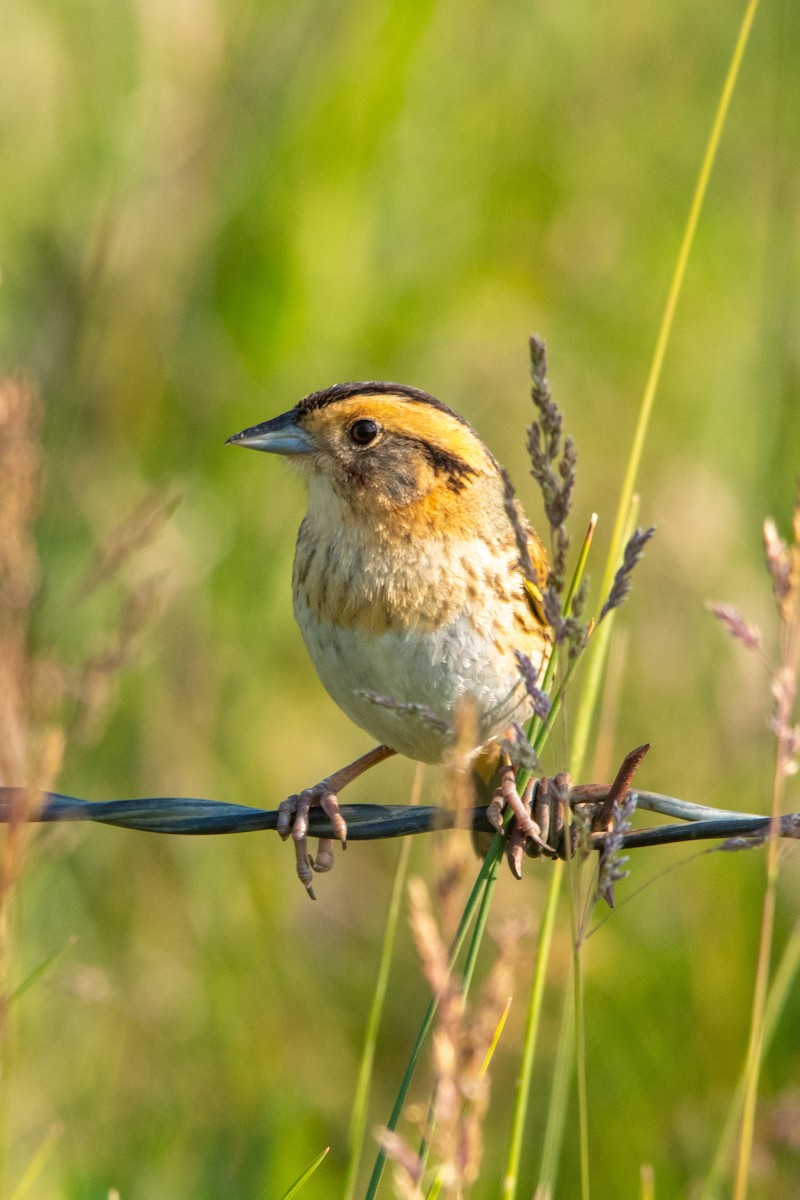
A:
(343, 391)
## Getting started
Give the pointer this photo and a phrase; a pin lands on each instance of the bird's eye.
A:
(363, 432)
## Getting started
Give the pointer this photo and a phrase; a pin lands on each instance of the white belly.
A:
(437, 669)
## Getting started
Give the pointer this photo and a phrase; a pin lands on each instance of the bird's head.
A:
(381, 447)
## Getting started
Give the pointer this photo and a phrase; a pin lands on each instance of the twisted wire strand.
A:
(369, 822)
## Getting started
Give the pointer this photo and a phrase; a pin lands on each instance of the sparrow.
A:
(408, 580)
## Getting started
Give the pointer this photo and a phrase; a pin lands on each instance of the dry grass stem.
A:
(452, 850)
(92, 683)
(33, 684)
(783, 562)
(463, 1040)
(136, 531)
(29, 754)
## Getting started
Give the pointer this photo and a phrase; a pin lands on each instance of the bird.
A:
(417, 581)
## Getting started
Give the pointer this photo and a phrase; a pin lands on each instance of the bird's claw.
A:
(293, 815)
(293, 818)
(293, 812)
(530, 824)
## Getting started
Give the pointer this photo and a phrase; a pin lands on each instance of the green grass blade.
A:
(498, 1033)
(536, 728)
(358, 1119)
(533, 1021)
(301, 1179)
(480, 923)
(37, 1164)
(580, 1046)
(597, 655)
(779, 991)
(559, 1096)
(38, 972)
(511, 1178)
(665, 328)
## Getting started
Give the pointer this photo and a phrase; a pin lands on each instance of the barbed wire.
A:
(182, 815)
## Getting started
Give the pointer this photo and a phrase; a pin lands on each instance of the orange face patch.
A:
(409, 419)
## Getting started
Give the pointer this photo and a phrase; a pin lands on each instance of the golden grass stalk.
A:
(784, 564)
(28, 751)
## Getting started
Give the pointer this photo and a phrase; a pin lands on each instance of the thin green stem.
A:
(580, 1031)
(358, 1119)
(511, 1178)
(536, 732)
(779, 991)
(37, 1164)
(559, 1095)
(665, 328)
(480, 925)
(573, 869)
(580, 566)
(598, 656)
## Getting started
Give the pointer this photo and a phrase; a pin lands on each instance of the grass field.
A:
(207, 211)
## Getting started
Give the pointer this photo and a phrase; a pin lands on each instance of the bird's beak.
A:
(281, 435)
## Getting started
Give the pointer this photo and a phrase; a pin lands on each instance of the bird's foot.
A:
(532, 822)
(293, 816)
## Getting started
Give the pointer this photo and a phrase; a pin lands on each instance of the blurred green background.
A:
(208, 210)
